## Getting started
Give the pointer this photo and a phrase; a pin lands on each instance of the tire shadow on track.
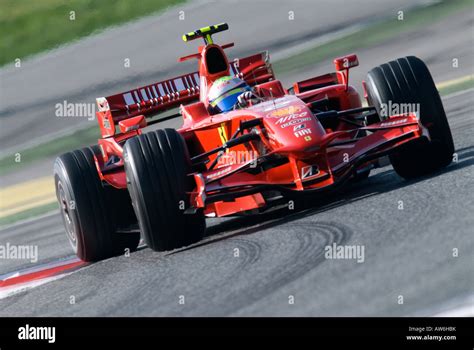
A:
(383, 182)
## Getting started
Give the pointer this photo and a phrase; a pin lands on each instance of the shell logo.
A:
(281, 112)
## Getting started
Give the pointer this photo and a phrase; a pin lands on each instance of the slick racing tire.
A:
(157, 166)
(408, 80)
(91, 213)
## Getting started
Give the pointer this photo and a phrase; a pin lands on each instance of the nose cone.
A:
(291, 125)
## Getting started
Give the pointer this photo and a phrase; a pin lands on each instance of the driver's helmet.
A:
(224, 92)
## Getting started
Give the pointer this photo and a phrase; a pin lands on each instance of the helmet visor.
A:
(228, 100)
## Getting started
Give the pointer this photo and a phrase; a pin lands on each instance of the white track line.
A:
(6, 292)
(457, 308)
(31, 219)
(463, 311)
(457, 93)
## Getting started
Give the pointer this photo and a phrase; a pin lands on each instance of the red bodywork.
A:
(294, 151)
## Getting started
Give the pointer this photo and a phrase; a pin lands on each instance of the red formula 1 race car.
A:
(245, 140)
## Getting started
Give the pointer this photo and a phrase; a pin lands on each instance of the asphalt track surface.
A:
(408, 252)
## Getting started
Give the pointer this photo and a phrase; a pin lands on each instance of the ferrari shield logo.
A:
(223, 133)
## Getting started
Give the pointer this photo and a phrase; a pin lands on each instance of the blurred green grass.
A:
(80, 138)
(31, 26)
(461, 86)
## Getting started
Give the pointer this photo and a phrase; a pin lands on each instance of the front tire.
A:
(157, 166)
(90, 212)
(408, 80)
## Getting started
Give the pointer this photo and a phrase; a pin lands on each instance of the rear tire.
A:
(157, 166)
(91, 213)
(408, 80)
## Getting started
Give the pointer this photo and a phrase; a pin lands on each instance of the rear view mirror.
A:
(346, 62)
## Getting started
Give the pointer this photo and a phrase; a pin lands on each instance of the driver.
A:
(228, 93)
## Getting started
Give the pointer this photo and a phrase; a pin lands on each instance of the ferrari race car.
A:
(245, 143)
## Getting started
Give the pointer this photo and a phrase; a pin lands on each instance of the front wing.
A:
(240, 187)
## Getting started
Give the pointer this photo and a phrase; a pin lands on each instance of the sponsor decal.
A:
(395, 122)
(223, 133)
(302, 132)
(132, 127)
(102, 104)
(292, 116)
(218, 173)
(106, 123)
(294, 122)
(299, 127)
(309, 171)
(307, 138)
(280, 112)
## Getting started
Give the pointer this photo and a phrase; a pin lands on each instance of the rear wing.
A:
(150, 100)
